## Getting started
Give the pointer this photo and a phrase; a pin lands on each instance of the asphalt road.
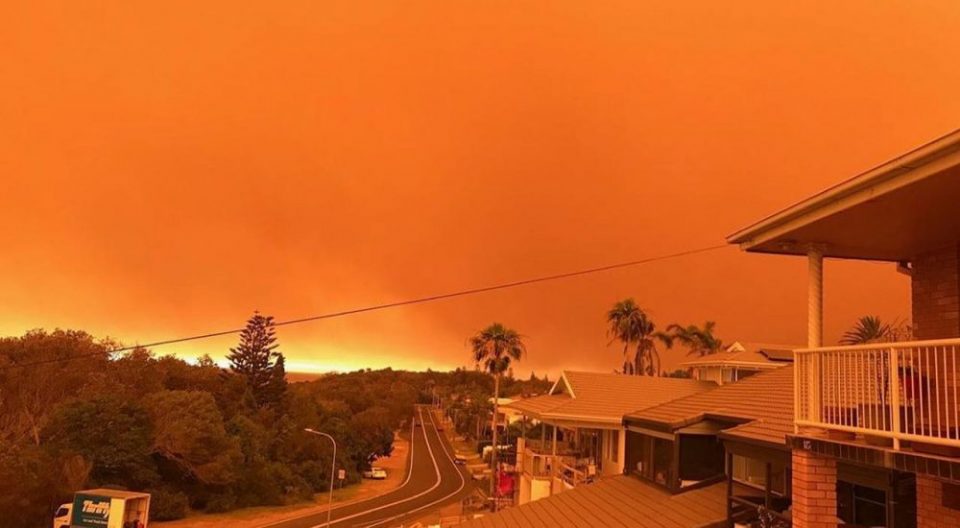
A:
(432, 481)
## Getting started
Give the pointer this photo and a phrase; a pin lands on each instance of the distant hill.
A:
(298, 377)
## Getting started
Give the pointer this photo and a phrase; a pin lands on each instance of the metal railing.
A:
(574, 473)
(544, 466)
(901, 391)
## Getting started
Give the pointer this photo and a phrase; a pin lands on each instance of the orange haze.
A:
(168, 168)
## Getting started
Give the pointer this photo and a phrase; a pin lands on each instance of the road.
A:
(432, 481)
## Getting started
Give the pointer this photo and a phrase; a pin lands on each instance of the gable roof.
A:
(615, 501)
(764, 403)
(606, 397)
(754, 355)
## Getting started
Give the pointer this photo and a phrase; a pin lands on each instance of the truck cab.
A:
(61, 519)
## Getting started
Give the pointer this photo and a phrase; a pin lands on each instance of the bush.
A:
(167, 505)
(294, 487)
(315, 473)
(222, 502)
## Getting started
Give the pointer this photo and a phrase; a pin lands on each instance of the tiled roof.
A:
(763, 401)
(756, 354)
(607, 397)
(537, 405)
(615, 502)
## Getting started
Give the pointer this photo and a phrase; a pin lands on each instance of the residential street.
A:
(433, 481)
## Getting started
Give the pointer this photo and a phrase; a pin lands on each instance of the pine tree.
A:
(255, 357)
(277, 388)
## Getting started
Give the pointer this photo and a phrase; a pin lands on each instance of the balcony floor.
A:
(859, 450)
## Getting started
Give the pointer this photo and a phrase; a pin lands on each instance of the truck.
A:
(104, 508)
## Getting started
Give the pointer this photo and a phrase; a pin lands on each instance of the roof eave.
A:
(914, 165)
(727, 363)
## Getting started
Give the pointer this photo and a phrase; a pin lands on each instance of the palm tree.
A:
(700, 341)
(867, 329)
(495, 348)
(631, 325)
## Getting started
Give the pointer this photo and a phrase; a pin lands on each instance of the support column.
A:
(814, 326)
(729, 463)
(553, 461)
(815, 297)
(814, 490)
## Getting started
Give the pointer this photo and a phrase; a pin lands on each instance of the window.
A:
(655, 460)
(701, 458)
(753, 472)
(861, 505)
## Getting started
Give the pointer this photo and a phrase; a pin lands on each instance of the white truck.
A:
(104, 508)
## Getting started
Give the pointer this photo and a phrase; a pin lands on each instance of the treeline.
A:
(196, 436)
(467, 400)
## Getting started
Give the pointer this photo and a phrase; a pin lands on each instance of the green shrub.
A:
(167, 505)
(222, 502)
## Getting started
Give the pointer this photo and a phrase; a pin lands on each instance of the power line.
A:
(420, 300)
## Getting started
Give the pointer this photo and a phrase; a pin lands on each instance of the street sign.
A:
(341, 474)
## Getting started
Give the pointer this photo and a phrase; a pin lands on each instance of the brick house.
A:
(877, 426)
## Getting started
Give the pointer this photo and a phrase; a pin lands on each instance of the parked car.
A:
(375, 473)
(460, 460)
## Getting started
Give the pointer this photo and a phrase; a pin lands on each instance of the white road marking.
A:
(436, 469)
(413, 442)
(463, 481)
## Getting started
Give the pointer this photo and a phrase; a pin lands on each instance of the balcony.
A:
(889, 394)
(567, 467)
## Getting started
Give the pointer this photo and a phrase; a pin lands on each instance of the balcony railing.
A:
(545, 466)
(899, 391)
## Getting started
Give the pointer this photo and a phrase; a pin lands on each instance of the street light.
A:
(333, 469)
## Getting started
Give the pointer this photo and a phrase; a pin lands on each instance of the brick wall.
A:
(814, 490)
(931, 513)
(936, 294)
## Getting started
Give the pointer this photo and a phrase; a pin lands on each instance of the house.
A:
(735, 434)
(582, 433)
(739, 361)
(506, 415)
(614, 502)
(704, 460)
(877, 426)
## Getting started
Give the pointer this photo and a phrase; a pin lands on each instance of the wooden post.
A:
(674, 484)
(769, 486)
(729, 465)
(553, 460)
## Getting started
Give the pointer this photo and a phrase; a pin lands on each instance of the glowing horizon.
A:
(169, 170)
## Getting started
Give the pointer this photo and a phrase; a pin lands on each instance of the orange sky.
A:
(169, 168)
